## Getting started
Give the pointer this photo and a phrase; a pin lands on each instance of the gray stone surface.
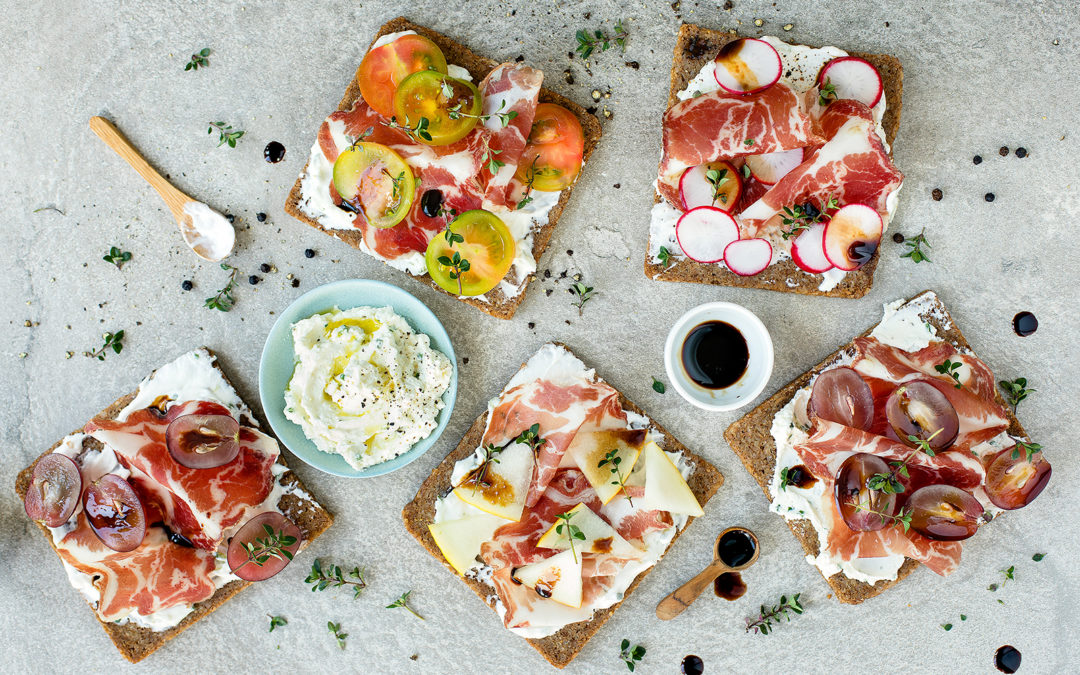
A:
(979, 75)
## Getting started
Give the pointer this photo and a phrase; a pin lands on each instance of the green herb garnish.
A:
(531, 437)
(456, 263)
(403, 601)
(333, 577)
(947, 626)
(801, 216)
(914, 245)
(273, 545)
(769, 615)
(117, 257)
(418, 132)
(493, 164)
(664, 256)
(950, 368)
(572, 531)
(226, 133)
(717, 178)
(613, 460)
(455, 113)
(888, 482)
(902, 519)
(630, 655)
(1015, 391)
(1028, 448)
(198, 59)
(785, 477)
(826, 93)
(224, 299)
(335, 630)
(587, 43)
(395, 192)
(748, 142)
(113, 341)
(583, 293)
(530, 178)
(658, 386)
(276, 621)
(491, 456)
(1038, 557)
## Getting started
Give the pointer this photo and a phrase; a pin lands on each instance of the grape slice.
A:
(273, 540)
(841, 395)
(944, 512)
(919, 409)
(115, 513)
(851, 490)
(203, 441)
(1014, 482)
(54, 491)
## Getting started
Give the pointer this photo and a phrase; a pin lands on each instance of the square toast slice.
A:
(498, 305)
(751, 439)
(561, 647)
(136, 642)
(694, 47)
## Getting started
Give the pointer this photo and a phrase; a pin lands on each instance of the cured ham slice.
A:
(852, 167)
(633, 522)
(510, 87)
(718, 125)
(200, 504)
(155, 576)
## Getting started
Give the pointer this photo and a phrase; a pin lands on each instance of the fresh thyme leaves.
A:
(1028, 448)
(664, 256)
(276, 621)
(1008, 576)
(746, 171)
(613, 460)
(113, 341)
(748, 142)
(418, 132)
(117, 257)
(531, 437)
(950, 368)
(403, 601)
(457, 265)
(826, 93)
(771, 615)
(396, 180)
(717, 178)
(274, 545)
(903, 518)
(530, 178)
(630, 655)
(361, 136)
(1015, 391)
(914, 245)
(332, 577)
(1038, 557)
(48, 208)
(224, 299)
(658, 386)
(583, 293)
(801, 216)
(598, 39)
(491, 456)
(493, 163)
(335, 630)
(888, 482)
(226, 133)
(455, 113)
(198, 59)
(947, 626)
(786, 477)
(572, 531)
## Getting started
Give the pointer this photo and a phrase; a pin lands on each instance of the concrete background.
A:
(978, 75)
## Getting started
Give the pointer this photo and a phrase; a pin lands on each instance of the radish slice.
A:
(747, 257)
(703, 233)
(747, 65)
(772, 166)
(808, 250)
(852, 236)
(852, 78)
(696, 190)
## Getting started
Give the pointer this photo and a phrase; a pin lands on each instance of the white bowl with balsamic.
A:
(719, 356)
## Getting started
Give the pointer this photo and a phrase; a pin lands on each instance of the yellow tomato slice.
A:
(450, 106)
(552, 159)
(484, 248)
(375, 181)
(385, 67)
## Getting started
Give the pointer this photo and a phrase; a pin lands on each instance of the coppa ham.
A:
(155, 576)
(851, 167)
(722, 126)
(200, 504)
(510, 87)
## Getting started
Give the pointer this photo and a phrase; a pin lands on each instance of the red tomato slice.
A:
(383, 69)
(552, 159)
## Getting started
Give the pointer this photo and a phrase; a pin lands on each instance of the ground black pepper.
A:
(937, 194)
(261, 217)
(1004, 151)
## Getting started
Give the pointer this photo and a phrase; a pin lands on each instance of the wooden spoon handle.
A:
(674, 604)
(108, 132)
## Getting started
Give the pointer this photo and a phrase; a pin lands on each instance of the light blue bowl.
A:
(278, 360)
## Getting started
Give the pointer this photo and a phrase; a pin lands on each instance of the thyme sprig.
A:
(335, 630)
(276, 621)
(491, 456)
(1015, 391)
(456, 113)
(630, 655)
(1009, 575)
(274, 545)
(198, 59)
(902, 519)
(583, 294)
(888, 482)
(786, 477)
(403, 601)
(530, 178)
(718, 178)
(664, 256)
(598, 39)
(801, 216)
(419, 131)
(489, 158)
(224, 299)
(226, 134)
(457, 265)
(113, 341)
(117, 257)
(951, 369)
(395, 191)
(572, 531)
(613, 460)
(915, 251)
(826, 93)
(531, 437)
(333, 577)
(769, 616)
(1028, 448)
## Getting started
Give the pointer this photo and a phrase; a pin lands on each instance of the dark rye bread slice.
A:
(561, 647)
(694, 47)
(751, 439)
(498, 305)
(135, 642)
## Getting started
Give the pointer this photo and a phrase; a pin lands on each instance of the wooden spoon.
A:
(206, 231)
(674, 604)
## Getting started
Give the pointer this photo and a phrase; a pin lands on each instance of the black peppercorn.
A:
(265, 268)
(937, 194)
(253, 280)
(977, 159)
(187, 285)
(261, 217)
(1021, 152)
(898, 238)
(989, 196)
(309, 253)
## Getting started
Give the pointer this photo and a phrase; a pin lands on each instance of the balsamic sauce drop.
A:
(715, 354)
(800, 477)
(729, 586)
(692, 665)
(736, 548)
(1025, 324)
(274, 152)
(431, 202)
(1007, 659)
(861, 251)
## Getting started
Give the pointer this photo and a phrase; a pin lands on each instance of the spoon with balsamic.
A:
(736, 549)
(206, 231)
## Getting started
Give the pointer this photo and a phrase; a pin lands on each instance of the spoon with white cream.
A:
(205, 230)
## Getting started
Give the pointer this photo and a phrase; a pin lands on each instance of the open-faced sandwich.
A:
(776, 170)
(446, 165)
(891, 452)
(167, 503)
(558, 501)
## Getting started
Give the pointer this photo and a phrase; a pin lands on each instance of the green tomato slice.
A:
(484, 248)
(375, 181)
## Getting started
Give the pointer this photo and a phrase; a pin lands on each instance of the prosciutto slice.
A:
(199, 504)
(510, 87)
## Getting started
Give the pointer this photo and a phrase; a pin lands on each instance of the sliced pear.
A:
(665, 488)
(502, 488)
(460, 540)
(589, 448)
(600, 537)
(557, 578)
